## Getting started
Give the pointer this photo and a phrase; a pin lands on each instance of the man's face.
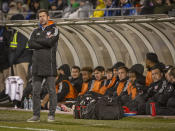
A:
(156, 75)
(36, 5)
(75, 73)
(60, 72)
(108, 2)
(122, 1)
(72, 1)
(147, 63)
(172, 76)
(85, 75)
(115, 72)
(159, 2)
(122, 74)
(109, 75)
(167, 76)
(60, 1)
(172, 79)
(132, 77)
(19, 5)
(53, 7)
(43, 18)
(98, 75)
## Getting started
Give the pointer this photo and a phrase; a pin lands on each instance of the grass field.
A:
(16, 121)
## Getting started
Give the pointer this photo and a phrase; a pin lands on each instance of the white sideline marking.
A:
(33, 129)
(99, 124)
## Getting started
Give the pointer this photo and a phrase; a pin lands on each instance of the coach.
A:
(43, 41)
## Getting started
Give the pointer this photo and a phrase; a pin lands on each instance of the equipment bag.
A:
(108, 109)
(100, 108)
(84, 106)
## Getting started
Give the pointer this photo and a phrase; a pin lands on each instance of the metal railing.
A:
(96, 21)
(134, 12)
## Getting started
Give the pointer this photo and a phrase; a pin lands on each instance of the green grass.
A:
(68, 123)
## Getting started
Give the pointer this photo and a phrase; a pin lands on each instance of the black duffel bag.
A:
(84, 107)
(108, 108)
(99, 108)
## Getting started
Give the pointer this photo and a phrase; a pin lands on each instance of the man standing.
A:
(43, 41)
(19, 54)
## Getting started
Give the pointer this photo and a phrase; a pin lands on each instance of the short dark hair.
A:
(88, 69)
(118, 64)
(137, 68)
(99, 68)
(152, 57)
(159, 66)
(172, 72)
(76, 67)
(109, 70)
(123, 67)
(132, 71)
(43, 10)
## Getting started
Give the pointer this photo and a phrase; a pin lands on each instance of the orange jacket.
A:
(149, 79)
(96, 85)
(131, 91)
(72, 91)
(123, 85)
(84, 88)
(105, 87)
(120, 88)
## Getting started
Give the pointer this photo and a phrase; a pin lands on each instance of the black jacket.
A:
(155, 88)
(112, 90)
(65, 90)
(44, 54)
(166, 93)
(4, 40)
(21, 53)
(77, 83)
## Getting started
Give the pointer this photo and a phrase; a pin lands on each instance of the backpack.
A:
(108, 108)
(88, 112)
(84, 107)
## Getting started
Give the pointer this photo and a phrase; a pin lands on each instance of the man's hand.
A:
(50, 36)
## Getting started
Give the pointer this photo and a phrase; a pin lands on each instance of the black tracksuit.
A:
(161, 99)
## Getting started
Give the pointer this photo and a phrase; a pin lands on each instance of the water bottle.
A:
(152, 109)
(25, 103)
(30, 103)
